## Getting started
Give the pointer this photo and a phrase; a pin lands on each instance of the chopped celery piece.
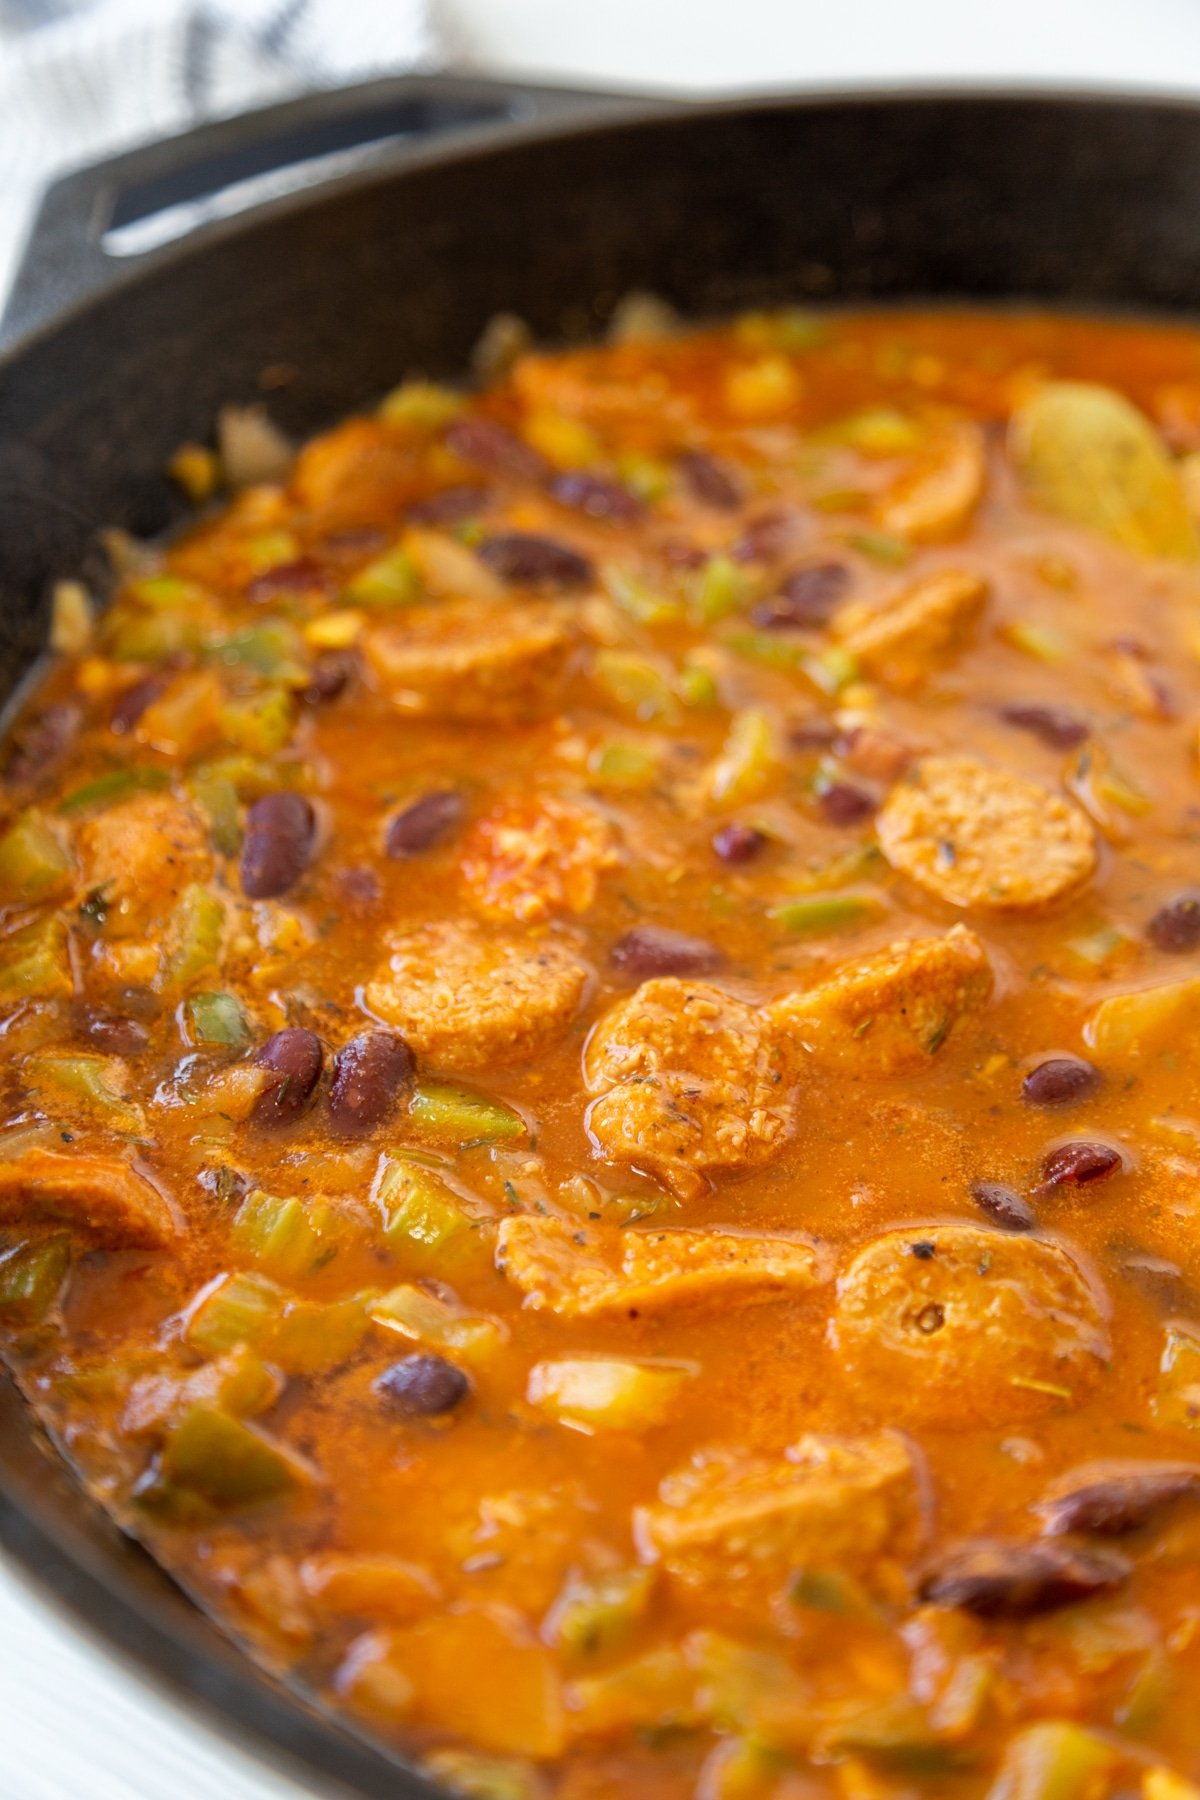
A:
(748, 757)
(697, 686)
(35, 963)
(240, 1382)
(881, 547)
(391, 580)
(654, 1692)
(196, 931)
(623, 765)
(636, 683)
(278, 1233)
(826, 912)
(315, 1336)
(1035, 639)
(273, 649)
(1088, 454)
(857, 864)
(645, 476)
(155, 637)
(1054, 1760)
(484, 1777)
(425, 1218)
(596, 1614)
(776, 650)
(248, 776)
(876, 431)
(261, 724)
(645, 604)
(606, 1392)
(1117, 790)
(427, 1320)
(95, 1081)
(227, 1461)
(166, 591)
(780, 328)
(720, 589)
(1148, 1693)
(32, 861)
(829, 1591)
(114, 786)
(216, 1019)
(895, 1734)
(217, 798)
(460, 1116)
(762, 389)
(31, 1278)
(420, 406)
(236, 1309)
(268, 549)
(832, 669)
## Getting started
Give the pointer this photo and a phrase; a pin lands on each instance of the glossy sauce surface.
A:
(580, 1162)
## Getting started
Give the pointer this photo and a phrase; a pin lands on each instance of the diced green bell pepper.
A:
(228, 1462)
(35, 963)
(117, 784)
(812, 913)
(391, 580)
(596, 1614)
(93, 1081)
(461, 1117)
(195, 934)
(31, 1278)
(216, 1019)
(424, 1219)
(237, 1309)
(33, 863)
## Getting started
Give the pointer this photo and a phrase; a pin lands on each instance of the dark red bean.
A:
(110, 1032)
(1076, 1163)
(1004, 1205)
(736, 843)
(806, 599)
(711, 482)
(494, 447)
(768, 538)
(1061, 1081)
(528, 560)
(423, 1385)
(132, 702)
(427, 822)
(450, 507)
(650, 950)
(41, 743)
(995, 1579)
(1112, 1498)
(278, 844)
(843, 804)
(330, 677)
(596, 495)
(1175, 927)
(301, 576)
(1054, 725)
(368, 1073)
(292, 1058)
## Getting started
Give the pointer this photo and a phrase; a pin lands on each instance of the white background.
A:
(72, 1726)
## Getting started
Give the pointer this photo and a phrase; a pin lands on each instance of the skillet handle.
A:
(94, 225)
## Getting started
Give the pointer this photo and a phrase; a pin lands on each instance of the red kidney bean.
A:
(1112, 1498)
(806, 599)
(596, 495)
(650, 950)
(368, 1074)
(1076, 1163)
(1175, 927)
(41, 743)
(493, 446)
(427, 822)
(278, 844)
(132, 702)
(450, 507)
(109, 1032)
(528, 560)
(423, 1385)
(1061, 1081)
(737, 843)
(301, 576)
(1004, 1205)
(995, 1579)
(769, 537)
(331, 674)
(1054, 725)
(711, 482)
(293, 1059)
(843, 804)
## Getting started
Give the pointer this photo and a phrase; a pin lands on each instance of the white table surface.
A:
(74, 1726)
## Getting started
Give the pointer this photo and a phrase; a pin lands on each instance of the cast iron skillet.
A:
(551, 204)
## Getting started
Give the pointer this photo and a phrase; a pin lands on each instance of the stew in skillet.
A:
(601, 983)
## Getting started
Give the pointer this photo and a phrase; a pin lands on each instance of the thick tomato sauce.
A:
(532, 946)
